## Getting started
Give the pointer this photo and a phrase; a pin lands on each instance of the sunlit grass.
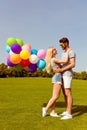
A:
(21, 101)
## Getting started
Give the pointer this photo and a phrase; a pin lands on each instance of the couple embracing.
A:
(61, 79)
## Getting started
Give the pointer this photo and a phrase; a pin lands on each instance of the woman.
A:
(53, 63)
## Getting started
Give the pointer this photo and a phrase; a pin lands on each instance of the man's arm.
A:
(71, 65)
(65, 60)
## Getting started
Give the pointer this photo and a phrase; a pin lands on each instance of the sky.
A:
(41, 23)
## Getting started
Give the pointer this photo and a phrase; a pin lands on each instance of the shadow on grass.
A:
(58, 104)
(77, 110)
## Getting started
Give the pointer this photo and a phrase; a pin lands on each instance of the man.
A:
(67, 73)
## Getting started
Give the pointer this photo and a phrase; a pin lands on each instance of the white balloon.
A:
(33, 59)
(11, 52)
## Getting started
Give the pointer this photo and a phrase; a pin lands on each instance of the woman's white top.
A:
(54, 65)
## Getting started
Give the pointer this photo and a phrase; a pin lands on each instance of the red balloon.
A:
(24, 63)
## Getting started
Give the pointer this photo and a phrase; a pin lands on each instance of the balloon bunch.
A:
(23, 55)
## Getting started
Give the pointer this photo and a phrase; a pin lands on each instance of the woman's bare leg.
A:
(55, 96)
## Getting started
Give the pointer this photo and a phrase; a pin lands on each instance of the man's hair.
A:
(64, 40)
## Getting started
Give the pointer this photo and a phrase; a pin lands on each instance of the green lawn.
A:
(21, 101)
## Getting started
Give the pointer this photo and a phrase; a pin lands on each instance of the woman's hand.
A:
(59, 70)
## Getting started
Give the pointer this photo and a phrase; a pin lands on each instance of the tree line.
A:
(18, 71)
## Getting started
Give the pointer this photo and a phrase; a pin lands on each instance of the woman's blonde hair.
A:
(48, 59)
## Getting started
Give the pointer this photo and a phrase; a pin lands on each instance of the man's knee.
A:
(67, 92)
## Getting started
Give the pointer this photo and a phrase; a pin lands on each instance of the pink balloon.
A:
(24, 47)
(8, 57)
(41, 54)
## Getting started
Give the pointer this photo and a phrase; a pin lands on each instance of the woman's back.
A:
(54, 65)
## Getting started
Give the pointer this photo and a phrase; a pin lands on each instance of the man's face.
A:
(63, 46)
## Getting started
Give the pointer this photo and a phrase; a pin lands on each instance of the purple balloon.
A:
(16, 48)
(32, 67)
(10, 64)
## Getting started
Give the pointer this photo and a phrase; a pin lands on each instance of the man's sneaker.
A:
(54, 115)
(67, 116)
(43, 112)
(64, 113)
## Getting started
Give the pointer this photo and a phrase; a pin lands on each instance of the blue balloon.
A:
(7, 49)
(41, 64)
(34, 51)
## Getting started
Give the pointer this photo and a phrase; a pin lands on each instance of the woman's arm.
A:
(70, 66)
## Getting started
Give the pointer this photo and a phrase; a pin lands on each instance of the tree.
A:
(19, 71)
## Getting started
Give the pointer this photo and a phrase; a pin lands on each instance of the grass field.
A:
(21, 101)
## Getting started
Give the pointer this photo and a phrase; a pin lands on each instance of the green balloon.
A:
(19, 41)
(11, 41)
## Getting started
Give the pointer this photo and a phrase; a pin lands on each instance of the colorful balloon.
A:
(27, 44)
(24, 54)
(41, 64)
(15, 58)
(9, 63)
(11, 52)
(41, 54)
(7, 49)
(34, 51)
(25, 47)
(32, 67)
(11, 41)
(24, 63)
(19, 41)
(16, 48)
(33, 59)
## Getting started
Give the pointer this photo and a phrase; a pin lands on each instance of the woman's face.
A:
(54, 51)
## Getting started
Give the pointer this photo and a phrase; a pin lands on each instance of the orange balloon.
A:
(15, 58)
(28, 45)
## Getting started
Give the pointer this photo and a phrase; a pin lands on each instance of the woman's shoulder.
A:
(52, 59)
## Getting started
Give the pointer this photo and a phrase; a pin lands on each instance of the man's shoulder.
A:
(72, 52)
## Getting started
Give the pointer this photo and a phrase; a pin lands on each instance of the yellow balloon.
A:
(24, 54)
(15, 58)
